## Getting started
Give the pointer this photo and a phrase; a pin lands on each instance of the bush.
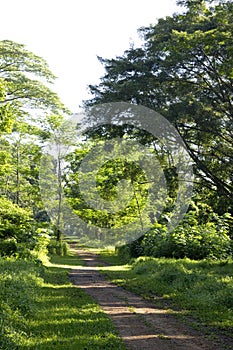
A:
(195, 242)
(15, 222)
(124, 254)
(41, 242)
(19, 234)
(8, 247)
(190, 239)
(152, 240)
(130, 250)
(58, 248)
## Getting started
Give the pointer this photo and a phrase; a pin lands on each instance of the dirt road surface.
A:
(140, 324)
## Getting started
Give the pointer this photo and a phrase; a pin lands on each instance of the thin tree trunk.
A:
(59, 228)
(17, 174)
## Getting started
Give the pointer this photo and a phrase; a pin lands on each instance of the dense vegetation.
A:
(184, 72)
(26, 102)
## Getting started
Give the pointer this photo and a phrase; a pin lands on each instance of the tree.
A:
(24, 96)
(116, 188)
(23, 76)
(184, 71)
(60, 136)
(26, 99)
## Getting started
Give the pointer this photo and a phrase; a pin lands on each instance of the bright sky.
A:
(69, 34)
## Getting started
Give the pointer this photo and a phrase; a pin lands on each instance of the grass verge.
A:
(48, 312)
(202, 290)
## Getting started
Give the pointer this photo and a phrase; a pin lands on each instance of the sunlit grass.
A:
(201, 289)
(67, 262)
(107, 255)
(67, 318)
(58, 315)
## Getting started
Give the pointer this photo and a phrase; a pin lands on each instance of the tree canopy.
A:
(184, 71)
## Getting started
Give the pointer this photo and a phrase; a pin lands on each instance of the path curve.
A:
(139, 323)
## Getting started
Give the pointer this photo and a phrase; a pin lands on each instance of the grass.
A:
(108, 255)
(58, 315)
(200, 289)
(69, 260)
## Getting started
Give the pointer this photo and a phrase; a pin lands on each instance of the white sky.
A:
(69, 34)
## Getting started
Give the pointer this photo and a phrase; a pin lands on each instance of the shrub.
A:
(123, 253)
(152, 240)
(15, 222)
(19, 234)
(195, 242)
(131, 250)
(136, 248)
(8, 247)
(58, 248)
(42, 239)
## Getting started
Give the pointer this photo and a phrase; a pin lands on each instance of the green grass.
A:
(19, 281)
(69, 260)
(108, 255)
(52, 313)
(200, 289)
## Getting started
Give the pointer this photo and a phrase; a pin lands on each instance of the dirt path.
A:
(139, 323)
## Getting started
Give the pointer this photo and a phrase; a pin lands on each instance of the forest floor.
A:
(140, 323)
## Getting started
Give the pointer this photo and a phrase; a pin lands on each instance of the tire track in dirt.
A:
(140, 324)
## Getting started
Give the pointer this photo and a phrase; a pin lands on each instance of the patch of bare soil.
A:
(140, 324)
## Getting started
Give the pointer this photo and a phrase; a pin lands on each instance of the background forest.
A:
(183, 71)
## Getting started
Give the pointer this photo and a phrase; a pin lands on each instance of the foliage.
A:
(26, 98)
(124, 253)
(184, 71)
(40, 245)
(61, 135)
(196, 237)
(15, 222)
(8, 247)
(19, 233)
(194, 242)
(19, 69)
(108, 186)
(58, 248)
(131, 250)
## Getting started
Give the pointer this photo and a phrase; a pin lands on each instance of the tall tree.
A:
(184, 71)
(26, 98)
(61, 135)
